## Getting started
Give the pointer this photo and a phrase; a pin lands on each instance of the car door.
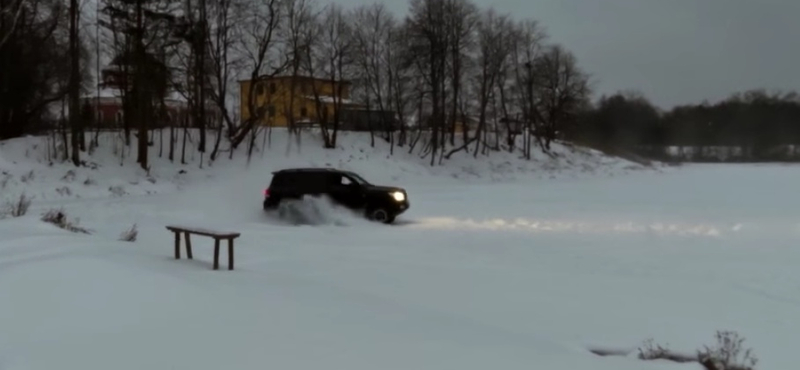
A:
(316, 184)
(345, 191)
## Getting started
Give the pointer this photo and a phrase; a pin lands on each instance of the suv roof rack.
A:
(307, 169)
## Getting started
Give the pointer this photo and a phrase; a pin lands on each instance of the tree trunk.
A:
(185, 139)
(74, 82)
(200, 78)
(217, 142)
(172, 139)
(140, 88)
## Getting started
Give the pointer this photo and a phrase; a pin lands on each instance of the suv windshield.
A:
(360, 180)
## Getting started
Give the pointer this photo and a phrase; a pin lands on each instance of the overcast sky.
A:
(674, 51)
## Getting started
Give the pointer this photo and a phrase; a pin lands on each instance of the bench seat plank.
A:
(204, 232)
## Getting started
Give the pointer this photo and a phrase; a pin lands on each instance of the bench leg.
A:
(177, 245)
(216, 254)
(188, 246)
(230, 254)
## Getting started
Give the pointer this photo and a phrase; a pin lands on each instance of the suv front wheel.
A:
(381, 215)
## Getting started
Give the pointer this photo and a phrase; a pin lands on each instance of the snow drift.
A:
(314, 211)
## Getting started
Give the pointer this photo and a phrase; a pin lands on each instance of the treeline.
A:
(37, 42)
(457, 76)
(746, 127)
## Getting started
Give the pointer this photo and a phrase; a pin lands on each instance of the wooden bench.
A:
(216, 235)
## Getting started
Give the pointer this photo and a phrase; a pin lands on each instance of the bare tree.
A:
(196, 34)
(333, 56)
(32, 79)
(259, 45)
(562, 90)
(222, 36)
(75, 118)
(300, 32)
(461, 22)
(118, 45)
(373, 29)
(141, 30)
(528, 45)
(495, 33)
(428, 50)
(10, 16)
(208, 32)
(400, 75)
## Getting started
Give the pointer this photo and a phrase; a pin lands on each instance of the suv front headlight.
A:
(399, 196)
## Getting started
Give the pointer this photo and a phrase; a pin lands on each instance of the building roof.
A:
(287, 77)
(172, 97)
(331, 100)
(127, 58)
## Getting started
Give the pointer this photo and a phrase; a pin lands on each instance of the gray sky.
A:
(674, 51)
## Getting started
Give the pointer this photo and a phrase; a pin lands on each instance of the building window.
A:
(303, 112)
(271, 111)
(259, 89)
(99, 116)
(119, 118)
(272, 88)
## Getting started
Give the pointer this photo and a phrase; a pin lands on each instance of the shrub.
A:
(728, 354)
(17, 208)
(59, 218)
(129, 235)
(651, 351)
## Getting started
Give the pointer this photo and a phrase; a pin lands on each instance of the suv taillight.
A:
(266, 192)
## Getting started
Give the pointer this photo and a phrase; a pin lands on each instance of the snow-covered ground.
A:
(499, 263)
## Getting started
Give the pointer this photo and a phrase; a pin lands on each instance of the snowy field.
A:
(499, 263)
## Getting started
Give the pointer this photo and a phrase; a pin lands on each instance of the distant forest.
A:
(753, 126)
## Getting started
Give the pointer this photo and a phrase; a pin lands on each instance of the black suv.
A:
(379, 203)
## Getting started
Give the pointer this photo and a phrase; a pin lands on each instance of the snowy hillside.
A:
(25, 165)
(493, 267)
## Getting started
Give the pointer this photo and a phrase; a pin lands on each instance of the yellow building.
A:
(303, 100)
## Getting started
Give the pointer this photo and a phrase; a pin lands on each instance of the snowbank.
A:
(31, 165)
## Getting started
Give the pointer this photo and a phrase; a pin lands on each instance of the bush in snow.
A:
(652, 351)
(59, 218)
(4, 181)
(64, 191)
(129, 235)
(728, 354)
(117, 191)
(69, 177)
(17, 208)
(27, 177)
